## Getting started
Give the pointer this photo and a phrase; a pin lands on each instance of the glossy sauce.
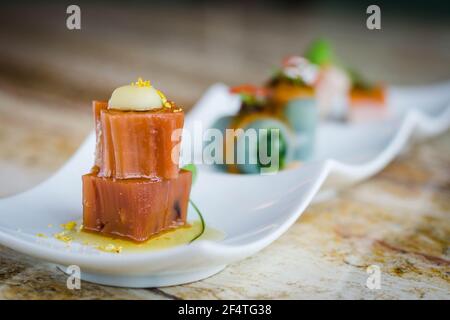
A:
(169, 239)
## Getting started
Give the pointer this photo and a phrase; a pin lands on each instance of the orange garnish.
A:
(249, 89)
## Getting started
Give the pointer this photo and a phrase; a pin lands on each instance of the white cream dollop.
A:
(135, 98)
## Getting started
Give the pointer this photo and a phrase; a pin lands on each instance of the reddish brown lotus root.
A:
(135, 208)
(136, 144)
(136, 189)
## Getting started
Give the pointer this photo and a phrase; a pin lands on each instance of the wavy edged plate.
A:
(252, 210)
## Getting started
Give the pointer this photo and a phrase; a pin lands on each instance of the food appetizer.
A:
(332, 84)
(294, 123)
(367, 100)
(135, 189)
(340, 94)
(354, 98)
(300, 92)
(294, 80)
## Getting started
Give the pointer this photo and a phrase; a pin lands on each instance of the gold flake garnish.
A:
(41, 235)
(69, 226)
(146, 83)
(141, 83)
(164, 99)
(63, 236)
(110, 248)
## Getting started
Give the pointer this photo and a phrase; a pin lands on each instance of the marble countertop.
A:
(399, 220)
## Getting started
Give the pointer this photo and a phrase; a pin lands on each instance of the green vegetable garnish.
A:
(320, 52)
(279, 76)
(201, 220)
(251, 100)
(192, 168)
(358, 81)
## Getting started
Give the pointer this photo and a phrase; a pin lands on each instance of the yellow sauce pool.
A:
(176, 237)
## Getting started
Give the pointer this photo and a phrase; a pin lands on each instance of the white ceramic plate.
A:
(252, 211)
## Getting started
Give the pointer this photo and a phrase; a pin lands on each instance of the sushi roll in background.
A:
(255, 114)
(273, 149)
(295, 80)
(302, 116)
(284, 133)
(303, 91)
(367, 100)
(332, 84)
(293, 96)
(299, 94)
(253, 103)
(343, 94)
(220, 124)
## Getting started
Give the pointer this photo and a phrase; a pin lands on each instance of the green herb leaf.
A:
(358, 81)
(320, 52)
(201, 220)
(192, 168)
